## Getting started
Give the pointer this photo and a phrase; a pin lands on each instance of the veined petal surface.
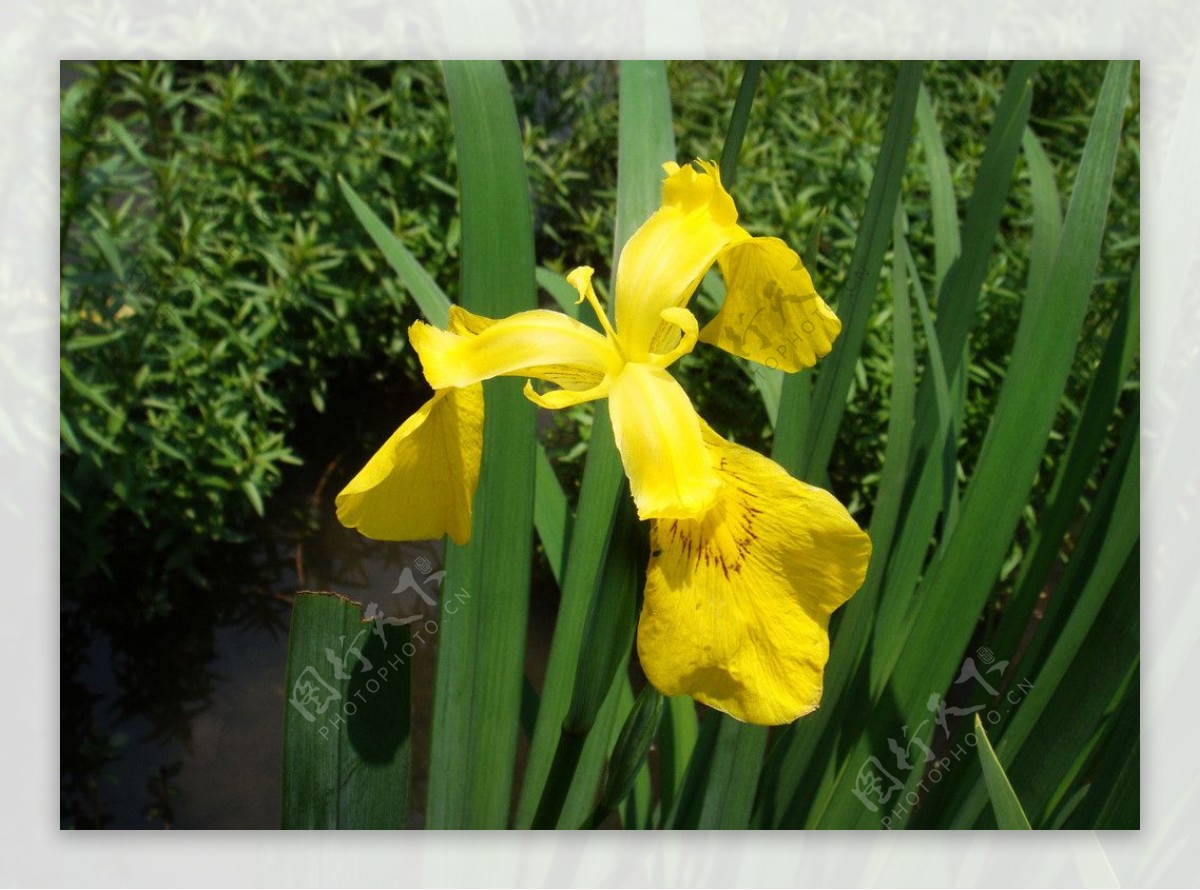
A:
(738, 601)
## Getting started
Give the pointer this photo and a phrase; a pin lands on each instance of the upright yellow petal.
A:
(542, 344)
(420, 484)
(665, 259)
(772, 313)
(738, 602)
(658, 434)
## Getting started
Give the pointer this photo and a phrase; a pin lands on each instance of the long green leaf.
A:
(481, 645)
(552, 516)
(1069, 691)
(346, 741)
(689, 802)
(791, 755)
(645, 142)
(1115, 802)
(732, 775)
(677, 741)
(1009, 814)
(1047, 211)
(854, 301)
(603, 653)
(738, 121)
(947, 242)
(954, 591)
(1077, 466)
(956, 307)
(435, 305)
(895, 611)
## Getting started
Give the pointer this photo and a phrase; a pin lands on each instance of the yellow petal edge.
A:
(421, 483)
(737, 603)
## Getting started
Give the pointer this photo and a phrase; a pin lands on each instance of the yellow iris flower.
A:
(747, 563)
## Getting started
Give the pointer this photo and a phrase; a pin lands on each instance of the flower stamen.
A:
(581, 280)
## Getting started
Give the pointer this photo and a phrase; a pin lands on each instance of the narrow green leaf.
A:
(854, 301)
(599, 497)
(253, 496)
(947, 241)
(1009, 814)
(346, 741)
(955, 589)
(645, 142)
(732, 774)
(676, 743)
(603, 653)
(956, 307)
(481, 643)
(1066, 694)
(585, 785)
(92, 341)
(638, 807)
(109, 251)
(435, 306)
(736, 133)
(1047, 211)
(611, 618)
(1113, 799)
(689, 802)
(895, 609)
(629, 753)
(1076, 468)
(552, 515)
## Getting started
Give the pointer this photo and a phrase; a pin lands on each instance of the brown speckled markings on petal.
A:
(738, 602)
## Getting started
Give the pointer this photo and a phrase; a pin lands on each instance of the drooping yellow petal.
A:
(579, 383)
(420, 484)
(542, 344)
(738, 602)
(658, 434)
(772, 313)
(665, 259)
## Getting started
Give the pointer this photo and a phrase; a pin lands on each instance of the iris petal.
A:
(547, 345)
(772, 313)
(738, 601)
(420, 484)
(658, 434)
(665, 259)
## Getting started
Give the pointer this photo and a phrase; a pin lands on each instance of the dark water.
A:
(177, 721)
(171, 705)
